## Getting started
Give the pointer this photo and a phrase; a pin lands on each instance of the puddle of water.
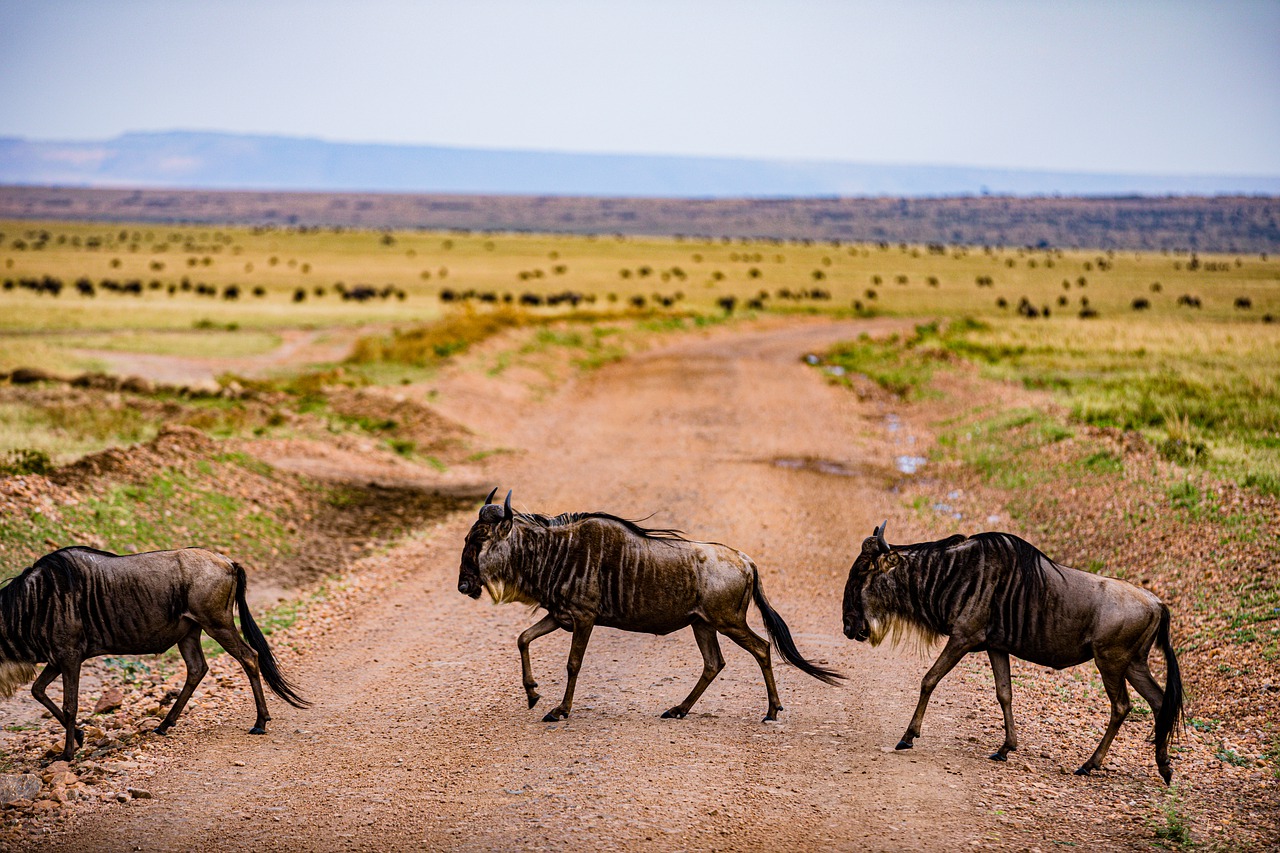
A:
(821, 466)
(909, 464)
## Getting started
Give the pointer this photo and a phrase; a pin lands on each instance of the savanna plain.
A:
(329, 406)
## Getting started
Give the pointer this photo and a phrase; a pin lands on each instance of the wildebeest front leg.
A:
(70, 705)
(1113, 679)
(581, 634)
(545, 626)
(712, 663)
(1004, 692)
(954, 650)
(193, 657)
(46, 678)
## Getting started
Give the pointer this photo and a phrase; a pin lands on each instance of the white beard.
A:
(503, 593)
(899, 630)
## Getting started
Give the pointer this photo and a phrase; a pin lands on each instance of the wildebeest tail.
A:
(279, 685)
(1169, 720)
(781, 636)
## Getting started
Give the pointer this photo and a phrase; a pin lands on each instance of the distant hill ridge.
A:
(207, 160)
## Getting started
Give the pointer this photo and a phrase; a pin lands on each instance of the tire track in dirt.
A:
(420, 736)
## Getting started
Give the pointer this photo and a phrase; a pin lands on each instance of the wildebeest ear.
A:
(889, 562)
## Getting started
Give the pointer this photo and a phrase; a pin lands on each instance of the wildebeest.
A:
(997, 593)
(78, 603)
(590, 568)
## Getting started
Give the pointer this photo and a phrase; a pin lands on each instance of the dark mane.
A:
(657, 533)
(1027, 560)
(937, 545)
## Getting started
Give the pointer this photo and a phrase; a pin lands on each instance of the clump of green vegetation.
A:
(24, 460)
(426, 345)
(1181, 443)
(901, 365)
(1175, 828)
(996, 447)
(1230, 756)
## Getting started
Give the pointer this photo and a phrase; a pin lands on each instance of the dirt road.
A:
(420, 736)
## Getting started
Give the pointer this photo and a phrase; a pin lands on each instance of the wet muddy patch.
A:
(352, 519)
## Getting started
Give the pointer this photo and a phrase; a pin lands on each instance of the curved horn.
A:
(489, 499)
(506, 508)
(884, 546)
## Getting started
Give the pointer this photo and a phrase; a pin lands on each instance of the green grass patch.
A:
(1203, 396)
(998, 448)
(170, 509)
(901, 365)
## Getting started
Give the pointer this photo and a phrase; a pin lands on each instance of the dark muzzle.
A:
(856, 632)
(469, 589)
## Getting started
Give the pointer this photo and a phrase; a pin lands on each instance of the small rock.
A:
(111, 700)
(18, 786)
(57, 767)
(63, 778)
(46, 806)
(140, 794)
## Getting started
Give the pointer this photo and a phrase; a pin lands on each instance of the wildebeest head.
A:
(876, 559)
(490, 528)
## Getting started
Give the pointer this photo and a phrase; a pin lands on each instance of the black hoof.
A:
(533, 700)
(554, 717)
(161, 730)
(673, 714)
(79, 737)
(257, 730)
(904, 744)
(1084, 771)
(1166, 773)
(997, 756)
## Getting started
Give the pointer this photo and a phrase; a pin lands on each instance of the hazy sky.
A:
(1079, 85)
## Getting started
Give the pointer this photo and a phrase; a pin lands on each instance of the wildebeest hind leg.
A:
(759, 648)
(46, 678)
(229, 638)
(952, 652)
(1004, 692)
(1140, 677)
(1113, 679)
(70, 705)
(581, 634)
(545, 626)
(193, 657)
(712, 663)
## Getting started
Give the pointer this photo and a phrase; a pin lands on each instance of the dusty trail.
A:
(420, 736)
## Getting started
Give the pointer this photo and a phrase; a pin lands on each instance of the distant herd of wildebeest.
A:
(991, 592)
